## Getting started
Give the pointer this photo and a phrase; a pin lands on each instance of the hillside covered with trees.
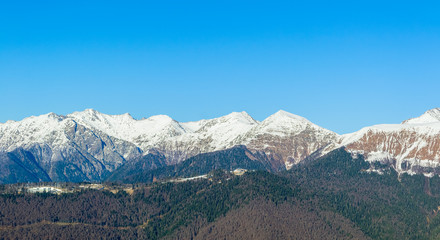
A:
(333, 197)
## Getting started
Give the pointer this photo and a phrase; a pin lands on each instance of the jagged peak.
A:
(430, 116)
(55, 116)
(90, 113)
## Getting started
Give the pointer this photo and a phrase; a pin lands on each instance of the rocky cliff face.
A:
(412, 146)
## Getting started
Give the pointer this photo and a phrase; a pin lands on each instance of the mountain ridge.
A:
(91, 144)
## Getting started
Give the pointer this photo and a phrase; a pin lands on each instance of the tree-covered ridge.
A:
(230, 159)
(332, 197)
(385, 206)
(152, 211)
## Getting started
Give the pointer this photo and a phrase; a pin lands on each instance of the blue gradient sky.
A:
(343, 65)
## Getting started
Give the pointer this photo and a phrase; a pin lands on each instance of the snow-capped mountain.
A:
(145, 133)
(287, 139)
(412, 146)
(177, 141)
(88, 145)
(206, 136)
(62, 147)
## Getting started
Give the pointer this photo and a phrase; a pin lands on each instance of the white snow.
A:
(189, 179)
(150, 132)
(429, 129)
(378, 156)
(35, 129)
(207, 135)
(126, 127)
(430, 116)
(157, 132)
(284, 124)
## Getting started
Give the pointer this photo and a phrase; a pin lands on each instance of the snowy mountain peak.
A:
(430, 116)
(86, 130)
(55, 116)
(127, 128)
(284, 122)
(160, 118)
(48, 117)
(88, 114)
(44, 128)
(243, 117)
(91, 111)
(92, 117)
(281, 114)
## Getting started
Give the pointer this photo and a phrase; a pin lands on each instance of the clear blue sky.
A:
(341, 64)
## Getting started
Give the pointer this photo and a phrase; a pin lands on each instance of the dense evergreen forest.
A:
(330, 198)
(230, 159)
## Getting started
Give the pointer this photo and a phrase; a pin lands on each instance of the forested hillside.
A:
(330, 198)
(230, 159)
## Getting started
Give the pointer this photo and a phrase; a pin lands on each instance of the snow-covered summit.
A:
(430, 116)
(176, 140)
(286, 138)
(281, 114)
(43, 128)
(283, 123)
(97, 143)
(127, 128)
(228, 127)
(234, 120)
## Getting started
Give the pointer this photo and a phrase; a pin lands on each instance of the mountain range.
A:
(92, 146)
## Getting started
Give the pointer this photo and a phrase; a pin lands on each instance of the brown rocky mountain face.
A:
(285, 139)
(404, 144)
(412, 146)
(285, 151)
